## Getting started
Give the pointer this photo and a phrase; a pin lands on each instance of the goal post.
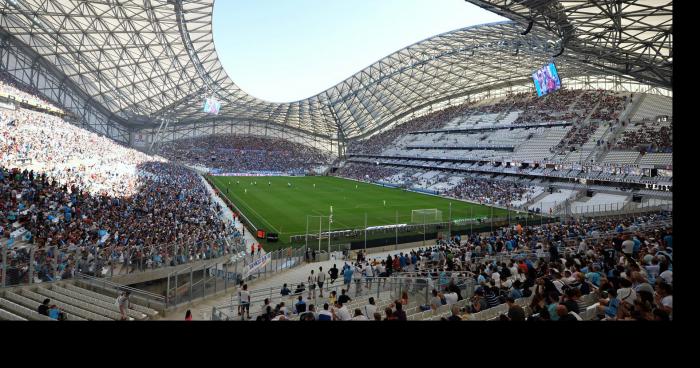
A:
(431, 215)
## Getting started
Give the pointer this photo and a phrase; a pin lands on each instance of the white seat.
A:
(148, 311)
(34, 305)
(23, 311)
(79, 303)
(7, 316)
(107, 305)
(71, 309)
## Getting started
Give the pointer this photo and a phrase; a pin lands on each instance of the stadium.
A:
(516, 170)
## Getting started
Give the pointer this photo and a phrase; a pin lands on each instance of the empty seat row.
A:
(24, 312)
(7, 316)
(34, 305)
(69, 308)
(104, 304)
(79, 303)
(145, 310)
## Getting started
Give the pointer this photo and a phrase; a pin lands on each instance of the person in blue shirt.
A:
(516, 292)
(347, 276)
(54, 312)
(668, 239)
(594, 277)
(609, 307)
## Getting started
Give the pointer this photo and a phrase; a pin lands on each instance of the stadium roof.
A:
(150, 59)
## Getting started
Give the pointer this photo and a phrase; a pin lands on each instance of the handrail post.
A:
(167, 292)
(4, 265)
(31, 265)
(191, 274)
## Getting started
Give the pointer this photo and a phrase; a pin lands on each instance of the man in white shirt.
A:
(341, 312)
(369, 309)
(513, 270)
(357, 276)
(369, 273)
(451, 298)
(244, 298)
(320, 279)
(312, 285)
(496, 278)
(582, 246)
(627, 245)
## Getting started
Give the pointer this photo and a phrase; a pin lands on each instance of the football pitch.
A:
(284, 204)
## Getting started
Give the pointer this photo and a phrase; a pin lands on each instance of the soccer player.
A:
(269, 183)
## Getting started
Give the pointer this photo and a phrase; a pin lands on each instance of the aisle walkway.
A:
(201, 310)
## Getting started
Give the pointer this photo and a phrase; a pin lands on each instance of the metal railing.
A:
(148, 298)
(48, 264)
(567, 208)
(384, 290)
(189, 284)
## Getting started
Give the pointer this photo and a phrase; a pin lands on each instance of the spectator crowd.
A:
(239, 153)
(624, 263)
(85, 203)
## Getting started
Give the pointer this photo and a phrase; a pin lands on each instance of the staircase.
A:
(612, 137)
(529, 203)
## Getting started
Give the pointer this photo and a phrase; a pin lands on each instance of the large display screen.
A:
(212, 106)
(546, 79)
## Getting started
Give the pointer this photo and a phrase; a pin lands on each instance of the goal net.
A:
(427, 216)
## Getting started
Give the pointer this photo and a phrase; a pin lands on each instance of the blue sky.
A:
(287, 50)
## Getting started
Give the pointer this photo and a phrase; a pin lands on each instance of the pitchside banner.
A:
(257, 264)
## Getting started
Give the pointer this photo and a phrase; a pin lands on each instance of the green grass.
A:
(284, 210)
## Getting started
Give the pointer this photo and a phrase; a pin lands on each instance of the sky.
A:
(289, 50)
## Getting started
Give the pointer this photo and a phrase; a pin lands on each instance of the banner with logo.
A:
(257, 264)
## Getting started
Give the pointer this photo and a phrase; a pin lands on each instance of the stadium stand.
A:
(237, 153)
(576, 271)
(78, 206)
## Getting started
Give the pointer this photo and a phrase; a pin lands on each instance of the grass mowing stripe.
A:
(250, 208)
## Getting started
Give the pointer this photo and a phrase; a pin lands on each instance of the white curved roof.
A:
(156, 58)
